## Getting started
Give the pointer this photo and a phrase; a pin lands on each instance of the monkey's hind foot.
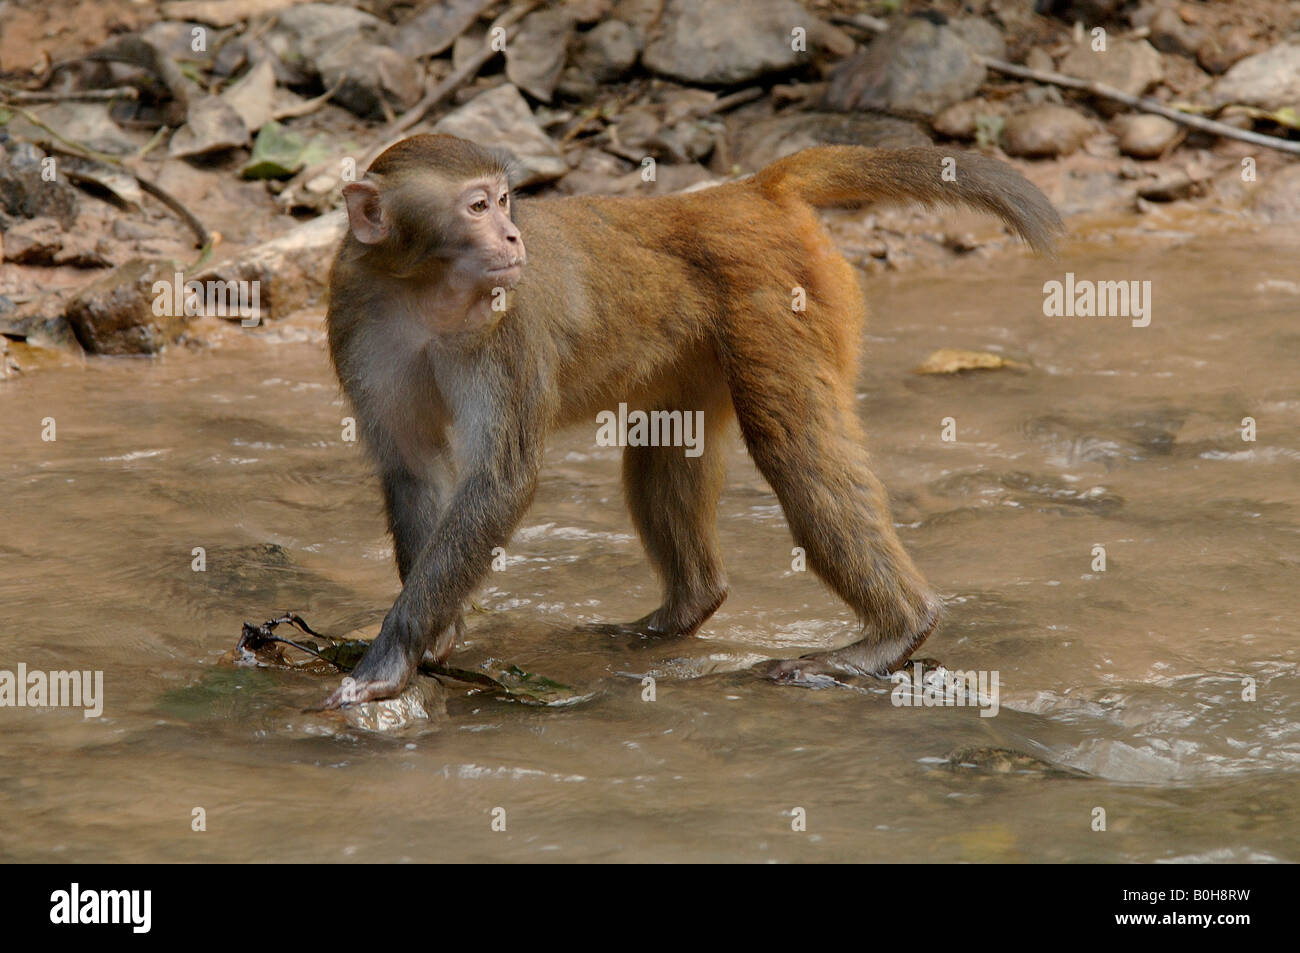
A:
(663, 623)
(861, 658)
(382, 673)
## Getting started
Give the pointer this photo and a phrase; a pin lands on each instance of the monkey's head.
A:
(439, 207)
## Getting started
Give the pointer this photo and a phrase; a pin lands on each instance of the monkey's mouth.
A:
(515, 266)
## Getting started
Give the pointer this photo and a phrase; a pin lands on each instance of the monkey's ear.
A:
(365, 212)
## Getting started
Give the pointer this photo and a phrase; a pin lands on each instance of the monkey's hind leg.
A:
(672, 496)
(802, 432)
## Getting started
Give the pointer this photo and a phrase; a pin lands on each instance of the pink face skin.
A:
(489, 249)
(484, 208)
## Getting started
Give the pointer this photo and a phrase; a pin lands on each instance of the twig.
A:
(201, 234)
(310, 106)
(79, 95)
(1144, 103)
(724, 103)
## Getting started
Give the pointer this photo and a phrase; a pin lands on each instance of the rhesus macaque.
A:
(465, 327)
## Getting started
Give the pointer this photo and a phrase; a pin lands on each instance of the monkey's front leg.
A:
(482, 513)
(414, 504)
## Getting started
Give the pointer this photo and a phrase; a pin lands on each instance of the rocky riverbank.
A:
(140, 142)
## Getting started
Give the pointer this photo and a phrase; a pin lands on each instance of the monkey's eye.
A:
(504, 200)
(480, 206)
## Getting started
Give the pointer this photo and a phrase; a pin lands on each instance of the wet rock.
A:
(432, 30)
(213, 125)
(1269, 80)
(115, 315)
(288, 269)
(757, 144)
(981, 36)
(535, 57)
(423, 700)
(1220, 51)
(1277, 199)
(607, 51)
(988, 760)
(956, 361)
(24, 193)
(1131, 66)
(1146, 137)
(1044, 131)
(501, 117)
(917, 68)
(720, 42)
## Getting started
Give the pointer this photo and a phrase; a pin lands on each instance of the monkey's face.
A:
(488, 250)
(426, 227)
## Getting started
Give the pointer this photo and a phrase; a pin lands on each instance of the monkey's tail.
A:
(829, 176)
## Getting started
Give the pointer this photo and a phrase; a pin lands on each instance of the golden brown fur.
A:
(677, 303)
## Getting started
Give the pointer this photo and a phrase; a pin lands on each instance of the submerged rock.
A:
(422, 701)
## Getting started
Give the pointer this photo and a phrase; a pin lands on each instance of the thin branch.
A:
(310, 106)
(1144, 103)
(76, 95)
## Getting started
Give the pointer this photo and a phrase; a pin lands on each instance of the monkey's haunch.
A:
(464, 329)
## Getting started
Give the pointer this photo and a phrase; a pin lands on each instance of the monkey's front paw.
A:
(353, 692)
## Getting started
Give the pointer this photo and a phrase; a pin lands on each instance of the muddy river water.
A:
(1161, 689)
